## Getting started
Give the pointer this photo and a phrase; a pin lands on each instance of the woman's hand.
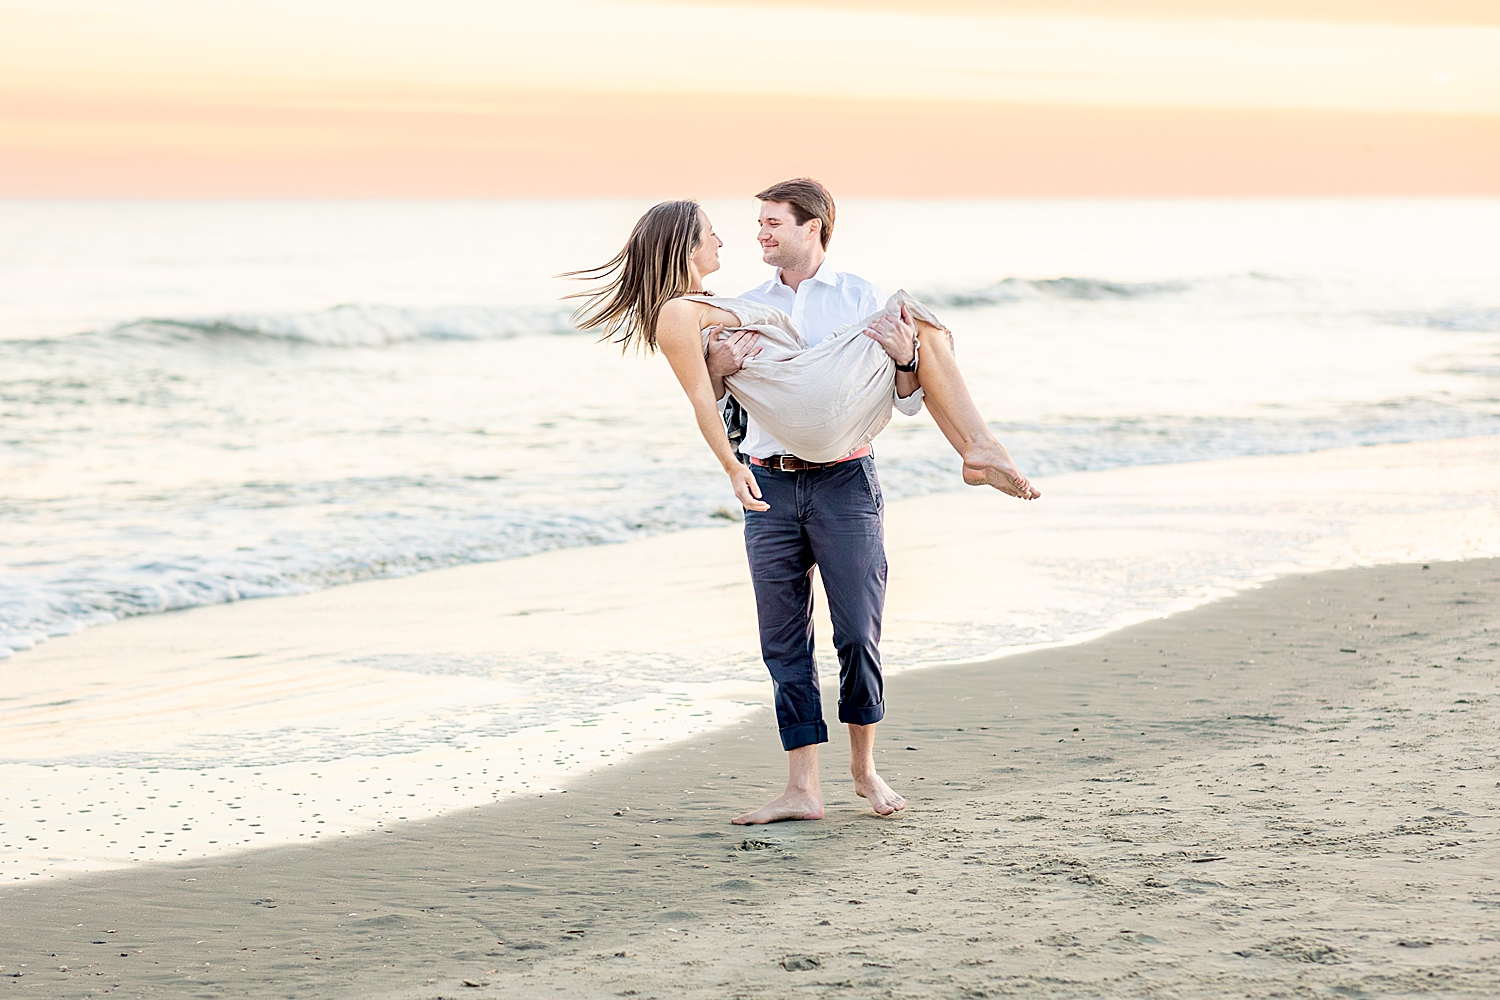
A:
(746, 488)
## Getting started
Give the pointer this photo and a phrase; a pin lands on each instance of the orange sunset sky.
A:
(938, 98)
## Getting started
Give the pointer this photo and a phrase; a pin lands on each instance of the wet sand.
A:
(1289, 792)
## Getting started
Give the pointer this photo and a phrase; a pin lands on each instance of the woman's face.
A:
(705, 259)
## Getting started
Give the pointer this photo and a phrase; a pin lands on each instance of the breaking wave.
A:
(1022, 289)
(360, 326)
(1459, 320)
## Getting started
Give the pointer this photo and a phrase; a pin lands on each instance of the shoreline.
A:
(37, 640)
(1223, 802)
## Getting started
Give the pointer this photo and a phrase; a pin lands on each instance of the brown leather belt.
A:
(791, 463)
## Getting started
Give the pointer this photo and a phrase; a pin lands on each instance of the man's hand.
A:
(897, 336)
(728, 354)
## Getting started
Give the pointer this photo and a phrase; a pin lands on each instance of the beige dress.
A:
(823, 401)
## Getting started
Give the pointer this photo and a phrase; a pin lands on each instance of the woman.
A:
(822, 402)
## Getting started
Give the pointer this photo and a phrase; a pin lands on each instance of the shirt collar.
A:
(824, 275)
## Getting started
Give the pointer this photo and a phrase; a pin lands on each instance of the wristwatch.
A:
(916, 349)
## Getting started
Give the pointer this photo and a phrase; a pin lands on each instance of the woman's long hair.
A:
(648, 273)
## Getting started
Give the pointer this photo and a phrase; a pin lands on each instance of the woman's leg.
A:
(986, 462)
(946, 426)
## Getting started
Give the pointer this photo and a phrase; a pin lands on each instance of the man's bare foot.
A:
(991, 465)
(882, 799)
(787, 805)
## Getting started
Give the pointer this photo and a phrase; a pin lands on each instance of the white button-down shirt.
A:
(821, 304)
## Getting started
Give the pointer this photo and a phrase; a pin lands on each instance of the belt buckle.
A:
(781, 463)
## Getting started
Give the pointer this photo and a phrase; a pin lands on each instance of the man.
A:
(827, 515)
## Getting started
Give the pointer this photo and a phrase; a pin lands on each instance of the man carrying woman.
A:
(818, 359)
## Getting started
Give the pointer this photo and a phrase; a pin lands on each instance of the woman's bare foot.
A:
(882, 799)
(788, 805)
(989, 464)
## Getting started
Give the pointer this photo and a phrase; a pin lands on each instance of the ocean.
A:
(214, 401)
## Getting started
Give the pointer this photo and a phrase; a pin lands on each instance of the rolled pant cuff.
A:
(867, 716)
(804, 734)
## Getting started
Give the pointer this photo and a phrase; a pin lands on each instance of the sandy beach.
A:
(1289, 792)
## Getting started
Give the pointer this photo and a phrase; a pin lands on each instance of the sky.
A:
(642, 98)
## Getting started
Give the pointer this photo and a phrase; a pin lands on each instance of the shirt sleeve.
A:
(911, 405)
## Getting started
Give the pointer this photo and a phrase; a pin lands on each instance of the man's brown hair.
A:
(809, 200)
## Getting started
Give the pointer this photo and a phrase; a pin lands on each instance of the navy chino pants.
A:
(832, 518)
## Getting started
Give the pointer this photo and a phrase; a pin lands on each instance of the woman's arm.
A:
(679, 335)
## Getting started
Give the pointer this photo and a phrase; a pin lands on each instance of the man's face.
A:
(783, 243)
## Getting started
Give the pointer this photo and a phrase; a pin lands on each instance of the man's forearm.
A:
(906, 384)
(716, 383)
